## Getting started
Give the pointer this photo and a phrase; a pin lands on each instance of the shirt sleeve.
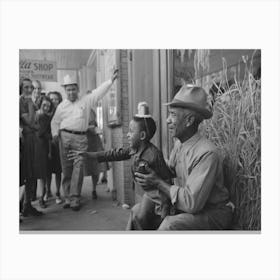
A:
(98, 93)
(172, 159)
(192, 197)
(56, 120)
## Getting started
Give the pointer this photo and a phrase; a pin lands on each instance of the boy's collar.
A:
(143, 148)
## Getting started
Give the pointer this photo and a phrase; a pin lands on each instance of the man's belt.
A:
(74, 131)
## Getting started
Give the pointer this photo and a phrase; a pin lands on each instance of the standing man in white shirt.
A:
(69, 126)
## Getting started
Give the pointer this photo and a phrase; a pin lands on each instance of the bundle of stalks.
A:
(236, 129)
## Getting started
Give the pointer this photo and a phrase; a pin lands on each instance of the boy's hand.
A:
(72, 155)
(147, 181)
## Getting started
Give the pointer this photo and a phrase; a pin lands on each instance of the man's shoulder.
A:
(62, 104)
(205, 146)
(154, 150)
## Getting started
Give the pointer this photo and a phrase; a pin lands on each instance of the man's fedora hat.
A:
(68, 80)
(194, 98)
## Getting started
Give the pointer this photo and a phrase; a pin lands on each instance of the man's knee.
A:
(167, 223)
(185, 221)
(135, 211)
(138, 216)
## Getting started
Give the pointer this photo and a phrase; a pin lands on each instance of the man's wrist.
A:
(163, 187)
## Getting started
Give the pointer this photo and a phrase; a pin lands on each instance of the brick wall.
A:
(121, 170)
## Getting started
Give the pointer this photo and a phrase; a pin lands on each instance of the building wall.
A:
(121, 171)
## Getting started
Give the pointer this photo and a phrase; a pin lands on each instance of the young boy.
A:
(144, 155)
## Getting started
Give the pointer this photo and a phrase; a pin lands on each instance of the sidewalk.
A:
(102, 214)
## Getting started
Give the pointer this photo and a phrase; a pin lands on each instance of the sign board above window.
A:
(42, 70)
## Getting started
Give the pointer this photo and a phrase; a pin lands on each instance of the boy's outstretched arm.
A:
(110, 155)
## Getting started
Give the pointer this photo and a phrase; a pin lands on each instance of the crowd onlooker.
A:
(55, 165)
(27, 123)
(37, 91)
(43, 145)
(69, 126)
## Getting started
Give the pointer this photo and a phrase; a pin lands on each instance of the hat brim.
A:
(206, 114)
(63, 85)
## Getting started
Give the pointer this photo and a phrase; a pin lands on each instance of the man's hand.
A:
(73, 155)
(148, 181)
(115, 75)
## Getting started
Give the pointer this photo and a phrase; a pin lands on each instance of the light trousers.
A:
(73, 170)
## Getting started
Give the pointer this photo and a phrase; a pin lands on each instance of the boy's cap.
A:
(143, 110)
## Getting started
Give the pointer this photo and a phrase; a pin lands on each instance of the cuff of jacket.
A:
(100, 156)
(174, 194)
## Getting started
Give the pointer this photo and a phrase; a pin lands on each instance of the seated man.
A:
(200, 199)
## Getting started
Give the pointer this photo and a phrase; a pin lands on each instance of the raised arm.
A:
(101, 91)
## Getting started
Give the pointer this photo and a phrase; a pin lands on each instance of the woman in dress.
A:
(27, 123)
(43, 145)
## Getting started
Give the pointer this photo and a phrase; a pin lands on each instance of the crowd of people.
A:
(186, 192)
(48, 128)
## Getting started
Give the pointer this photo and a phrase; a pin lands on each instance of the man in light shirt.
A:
(199, 196)
(69, 126)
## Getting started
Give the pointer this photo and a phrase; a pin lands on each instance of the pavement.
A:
(102, 214)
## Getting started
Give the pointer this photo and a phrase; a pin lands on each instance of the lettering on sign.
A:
(42, 70)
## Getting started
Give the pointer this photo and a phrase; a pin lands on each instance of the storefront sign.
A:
(42, 70)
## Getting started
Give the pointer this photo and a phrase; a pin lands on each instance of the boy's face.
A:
(134, 135)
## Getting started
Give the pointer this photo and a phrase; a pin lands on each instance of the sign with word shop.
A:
(42, 70)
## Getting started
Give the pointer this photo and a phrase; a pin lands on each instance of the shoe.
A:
(58, 200)
(66, 205)
(76, 208)
(42, 203)
(75, 205)
(34, 212)
(31, 211)
(94, 195)
(47, 196)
